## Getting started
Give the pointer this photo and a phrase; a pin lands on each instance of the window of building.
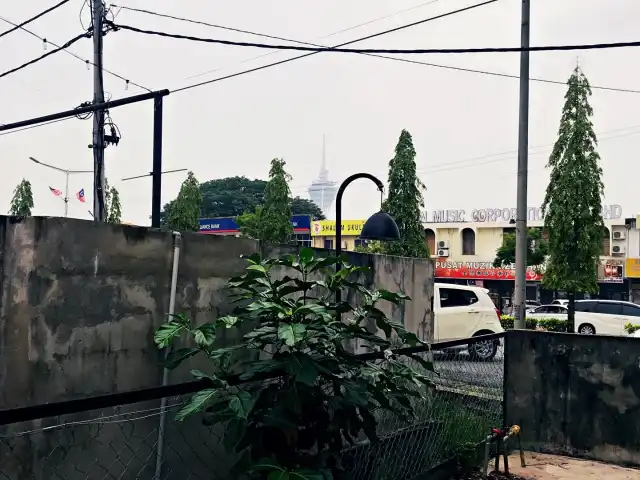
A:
(328, 243)
(303, 239)
(453, 297)
(606, 242)
(360, 242)
(430, 240)
(468, 242)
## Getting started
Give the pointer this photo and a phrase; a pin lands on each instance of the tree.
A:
(537, 249)
(112, 207)
(572, 205)
(22, 201)
(325, 399)
(274, 219)
(405, 201)
(303, 206)
(184, 213)
(248, 223)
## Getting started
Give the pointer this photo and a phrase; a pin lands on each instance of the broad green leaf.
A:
(176, 357)
(301, 367)
(383, 324)
(197, 403)
(233, 433)
(205, 335)
(305, 255)
(180, 318)
(392, 297)
(266, 464)
(253, 259)
(241, 403)
(324, 263)
(307, 475)
(279, 475)
(257, 268)
(227, 321)
(310, 308)
(291, 334)
(165, 335)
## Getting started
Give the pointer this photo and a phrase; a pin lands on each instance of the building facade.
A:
(228, 226)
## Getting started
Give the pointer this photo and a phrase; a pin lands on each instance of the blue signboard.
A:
(300, 223)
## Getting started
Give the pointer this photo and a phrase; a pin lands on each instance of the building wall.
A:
(80, 302)
(575, 395)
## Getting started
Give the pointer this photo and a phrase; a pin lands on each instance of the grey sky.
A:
(236, 126)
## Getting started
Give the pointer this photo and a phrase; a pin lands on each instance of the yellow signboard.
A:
(632, 268)
(327, 228)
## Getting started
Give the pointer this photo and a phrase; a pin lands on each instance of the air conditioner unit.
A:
(619, 235)
(443, 244)
(443, 252)
(617, 250)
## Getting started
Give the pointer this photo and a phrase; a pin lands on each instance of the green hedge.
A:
(631, 328)
(547, 324)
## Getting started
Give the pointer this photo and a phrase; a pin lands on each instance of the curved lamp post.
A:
(380, 226)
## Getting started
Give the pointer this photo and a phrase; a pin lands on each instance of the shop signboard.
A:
(481, 271)
(632, 268)
(300, 224)
(502, 214)
(610, 271)
(320, 228)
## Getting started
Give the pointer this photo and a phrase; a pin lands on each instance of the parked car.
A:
(549, 311)
(462, 311)
(606, 317)
(531, 305)
(560, 301)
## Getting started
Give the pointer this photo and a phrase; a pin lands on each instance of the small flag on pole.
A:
(80, 195)
(55, 191)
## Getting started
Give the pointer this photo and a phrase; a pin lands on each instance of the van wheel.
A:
(483, 351)
(586, 329)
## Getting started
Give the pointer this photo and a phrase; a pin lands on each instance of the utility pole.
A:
(523, 152)
(97, 10)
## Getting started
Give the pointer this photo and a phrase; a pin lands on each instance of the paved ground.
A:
(552, 467)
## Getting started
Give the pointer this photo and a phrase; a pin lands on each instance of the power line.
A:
(8, 132)
(68, 52)
(26, 22)
(45, 55)
(417, 51)
(404, 60)
(402, 27)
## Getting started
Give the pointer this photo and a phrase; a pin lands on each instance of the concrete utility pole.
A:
(523, 152)
(97, 10)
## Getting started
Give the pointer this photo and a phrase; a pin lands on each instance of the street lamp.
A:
(380, 226)
(66, 185)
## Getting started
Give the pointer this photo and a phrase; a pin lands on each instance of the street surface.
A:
(553, 467)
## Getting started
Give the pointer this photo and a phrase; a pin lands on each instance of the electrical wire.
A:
(397, 59)
(45, 55)
(86, 62)
(417, 51)
(26, 22)
(9, 132)
(286, 60)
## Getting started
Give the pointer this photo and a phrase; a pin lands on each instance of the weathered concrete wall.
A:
(575, 395)
(79, 302)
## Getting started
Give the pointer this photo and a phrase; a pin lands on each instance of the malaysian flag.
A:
(80, 195)
(56, 192)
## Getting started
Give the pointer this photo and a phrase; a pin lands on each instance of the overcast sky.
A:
(459, 121)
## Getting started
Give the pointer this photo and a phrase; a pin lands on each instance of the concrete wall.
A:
(575, 395)
(79, 302)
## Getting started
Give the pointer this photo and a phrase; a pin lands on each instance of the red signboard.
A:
(479, 271)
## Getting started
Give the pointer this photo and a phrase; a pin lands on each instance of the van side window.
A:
(609, 308)
(585, 306)
(453, 297)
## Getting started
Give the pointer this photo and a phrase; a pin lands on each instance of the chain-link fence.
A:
(124, 443)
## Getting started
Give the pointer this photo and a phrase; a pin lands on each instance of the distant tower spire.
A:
(322, 191)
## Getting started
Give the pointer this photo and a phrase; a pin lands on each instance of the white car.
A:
(549, 311)
(607, 317)
(560, 301)
(462, 311)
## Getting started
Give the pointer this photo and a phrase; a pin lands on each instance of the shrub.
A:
(546, 324)
(631, 328)
(321, 397)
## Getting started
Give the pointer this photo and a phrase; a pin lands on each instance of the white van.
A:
(462, 311)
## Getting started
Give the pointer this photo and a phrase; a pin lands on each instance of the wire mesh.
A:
(122, 443)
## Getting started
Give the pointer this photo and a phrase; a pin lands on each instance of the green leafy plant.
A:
(631, 328)
(547, 324)
(22, 201)
(185, 210)
(321, 397)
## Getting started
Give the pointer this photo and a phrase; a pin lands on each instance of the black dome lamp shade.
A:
(380, 226)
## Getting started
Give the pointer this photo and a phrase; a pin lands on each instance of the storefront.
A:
(228, 226)
(632, 276)
(323, 233)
